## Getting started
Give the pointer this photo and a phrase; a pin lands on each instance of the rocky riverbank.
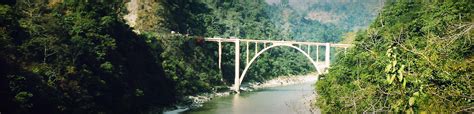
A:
(281, 81)
(190, 102)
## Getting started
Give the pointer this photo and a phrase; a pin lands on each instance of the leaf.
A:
(387, 68)
(400, 77)
(23, 96)
(394, 63)
(391, 79)
(421, 89)
(416, 94)
(139, 92)
(106, 20)
(401, 69)
(388, 79)
(411, 101)
(404, 84)
(409, 111)
(400, 73)
(389, 52)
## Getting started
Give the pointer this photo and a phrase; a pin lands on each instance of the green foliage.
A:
(107, 66)
(188, 61)
(23, 97)
(253, 20)
(69, 56)
(321, 21)
(139, 92)
(416, 56)
(249, 19)
(76, 57)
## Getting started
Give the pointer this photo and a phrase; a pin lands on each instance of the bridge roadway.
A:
(321, 67)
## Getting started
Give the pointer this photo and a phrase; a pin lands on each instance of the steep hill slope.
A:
(416, 56)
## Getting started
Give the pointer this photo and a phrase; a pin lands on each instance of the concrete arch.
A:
(247, 66)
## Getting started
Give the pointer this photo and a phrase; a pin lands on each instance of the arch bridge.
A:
(321, 67)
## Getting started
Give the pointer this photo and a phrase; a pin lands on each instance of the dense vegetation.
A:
(416, 56)
(81, 56)
(320, 20)
(254, 20)
(187, 62)
(76, 57)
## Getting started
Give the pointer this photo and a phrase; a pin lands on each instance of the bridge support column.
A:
(220, 53)
(247, 51)
(327, 55)
(256, 48)
(309, 50)
(317, 53)
(237, 66)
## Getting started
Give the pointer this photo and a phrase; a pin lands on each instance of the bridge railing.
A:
(276, 41)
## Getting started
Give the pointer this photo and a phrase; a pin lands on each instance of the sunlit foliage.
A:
(416, 56)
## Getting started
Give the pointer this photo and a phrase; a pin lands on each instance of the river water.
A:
(287, 99)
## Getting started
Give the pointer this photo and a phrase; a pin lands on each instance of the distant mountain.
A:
(322, 20)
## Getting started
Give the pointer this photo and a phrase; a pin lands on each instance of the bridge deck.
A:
(276, 42)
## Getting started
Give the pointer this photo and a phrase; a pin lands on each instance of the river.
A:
(287, 99)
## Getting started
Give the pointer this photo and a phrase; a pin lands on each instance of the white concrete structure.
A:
(321, 67)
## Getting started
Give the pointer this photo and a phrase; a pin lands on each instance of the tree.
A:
(414, 57)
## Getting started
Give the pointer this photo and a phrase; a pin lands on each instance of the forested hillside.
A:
(321, 20)
(254, 20)
(76, 57)
(87, 56)
(416, 56)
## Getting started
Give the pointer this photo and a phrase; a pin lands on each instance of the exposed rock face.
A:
(132, 8)
(146, 15)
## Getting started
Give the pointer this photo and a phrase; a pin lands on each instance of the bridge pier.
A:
(237, 66)
(256, 48)
(327, 55)
(317, 53)
(247, 51)
(220, 53)
(309, 50)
